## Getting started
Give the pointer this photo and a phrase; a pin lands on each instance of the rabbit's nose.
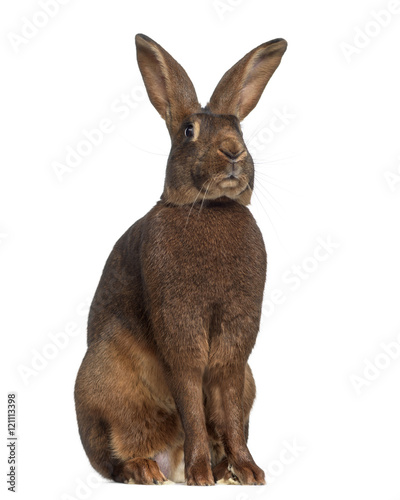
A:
(231, 149)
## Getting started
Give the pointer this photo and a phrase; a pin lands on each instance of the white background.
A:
(328, 173)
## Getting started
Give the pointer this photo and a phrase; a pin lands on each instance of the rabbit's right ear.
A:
(169, 88)
(241, 87)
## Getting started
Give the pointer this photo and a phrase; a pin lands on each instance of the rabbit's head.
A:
(208, 158)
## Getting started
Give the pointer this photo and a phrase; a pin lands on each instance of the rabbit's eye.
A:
(189, 131)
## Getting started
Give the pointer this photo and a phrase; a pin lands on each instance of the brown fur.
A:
(178, 306)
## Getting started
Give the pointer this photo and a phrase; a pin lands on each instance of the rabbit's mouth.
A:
(230, 182)
(230, 185)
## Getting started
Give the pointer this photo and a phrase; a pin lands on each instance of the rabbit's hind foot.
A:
(140, 471)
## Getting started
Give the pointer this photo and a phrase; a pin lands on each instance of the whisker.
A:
(270, 179)
(278, 206)
(205, 194)
(257, 129)
(269, 218)
(138, 147)
(191, 208)
(271, 183)
(273, 159)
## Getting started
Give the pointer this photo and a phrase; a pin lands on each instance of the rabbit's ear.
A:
(241, 87)
(169, 88)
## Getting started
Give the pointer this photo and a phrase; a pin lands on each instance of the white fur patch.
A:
(175, 474)
(231, 480)
(131, 481)
(178, 474)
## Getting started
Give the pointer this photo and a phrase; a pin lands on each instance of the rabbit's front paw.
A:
(247, 473)
(199, 474)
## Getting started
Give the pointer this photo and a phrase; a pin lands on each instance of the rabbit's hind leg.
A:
(139, 471)
(119, 456)
(126, 414)
(166, 467)
(94, 433)
(143, 458)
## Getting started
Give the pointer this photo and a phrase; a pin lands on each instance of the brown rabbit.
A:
(164, 390)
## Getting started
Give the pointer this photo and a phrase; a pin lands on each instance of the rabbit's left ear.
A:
(169, 88)
(241, 87)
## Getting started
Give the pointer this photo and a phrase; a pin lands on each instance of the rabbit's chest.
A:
(212, 256)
